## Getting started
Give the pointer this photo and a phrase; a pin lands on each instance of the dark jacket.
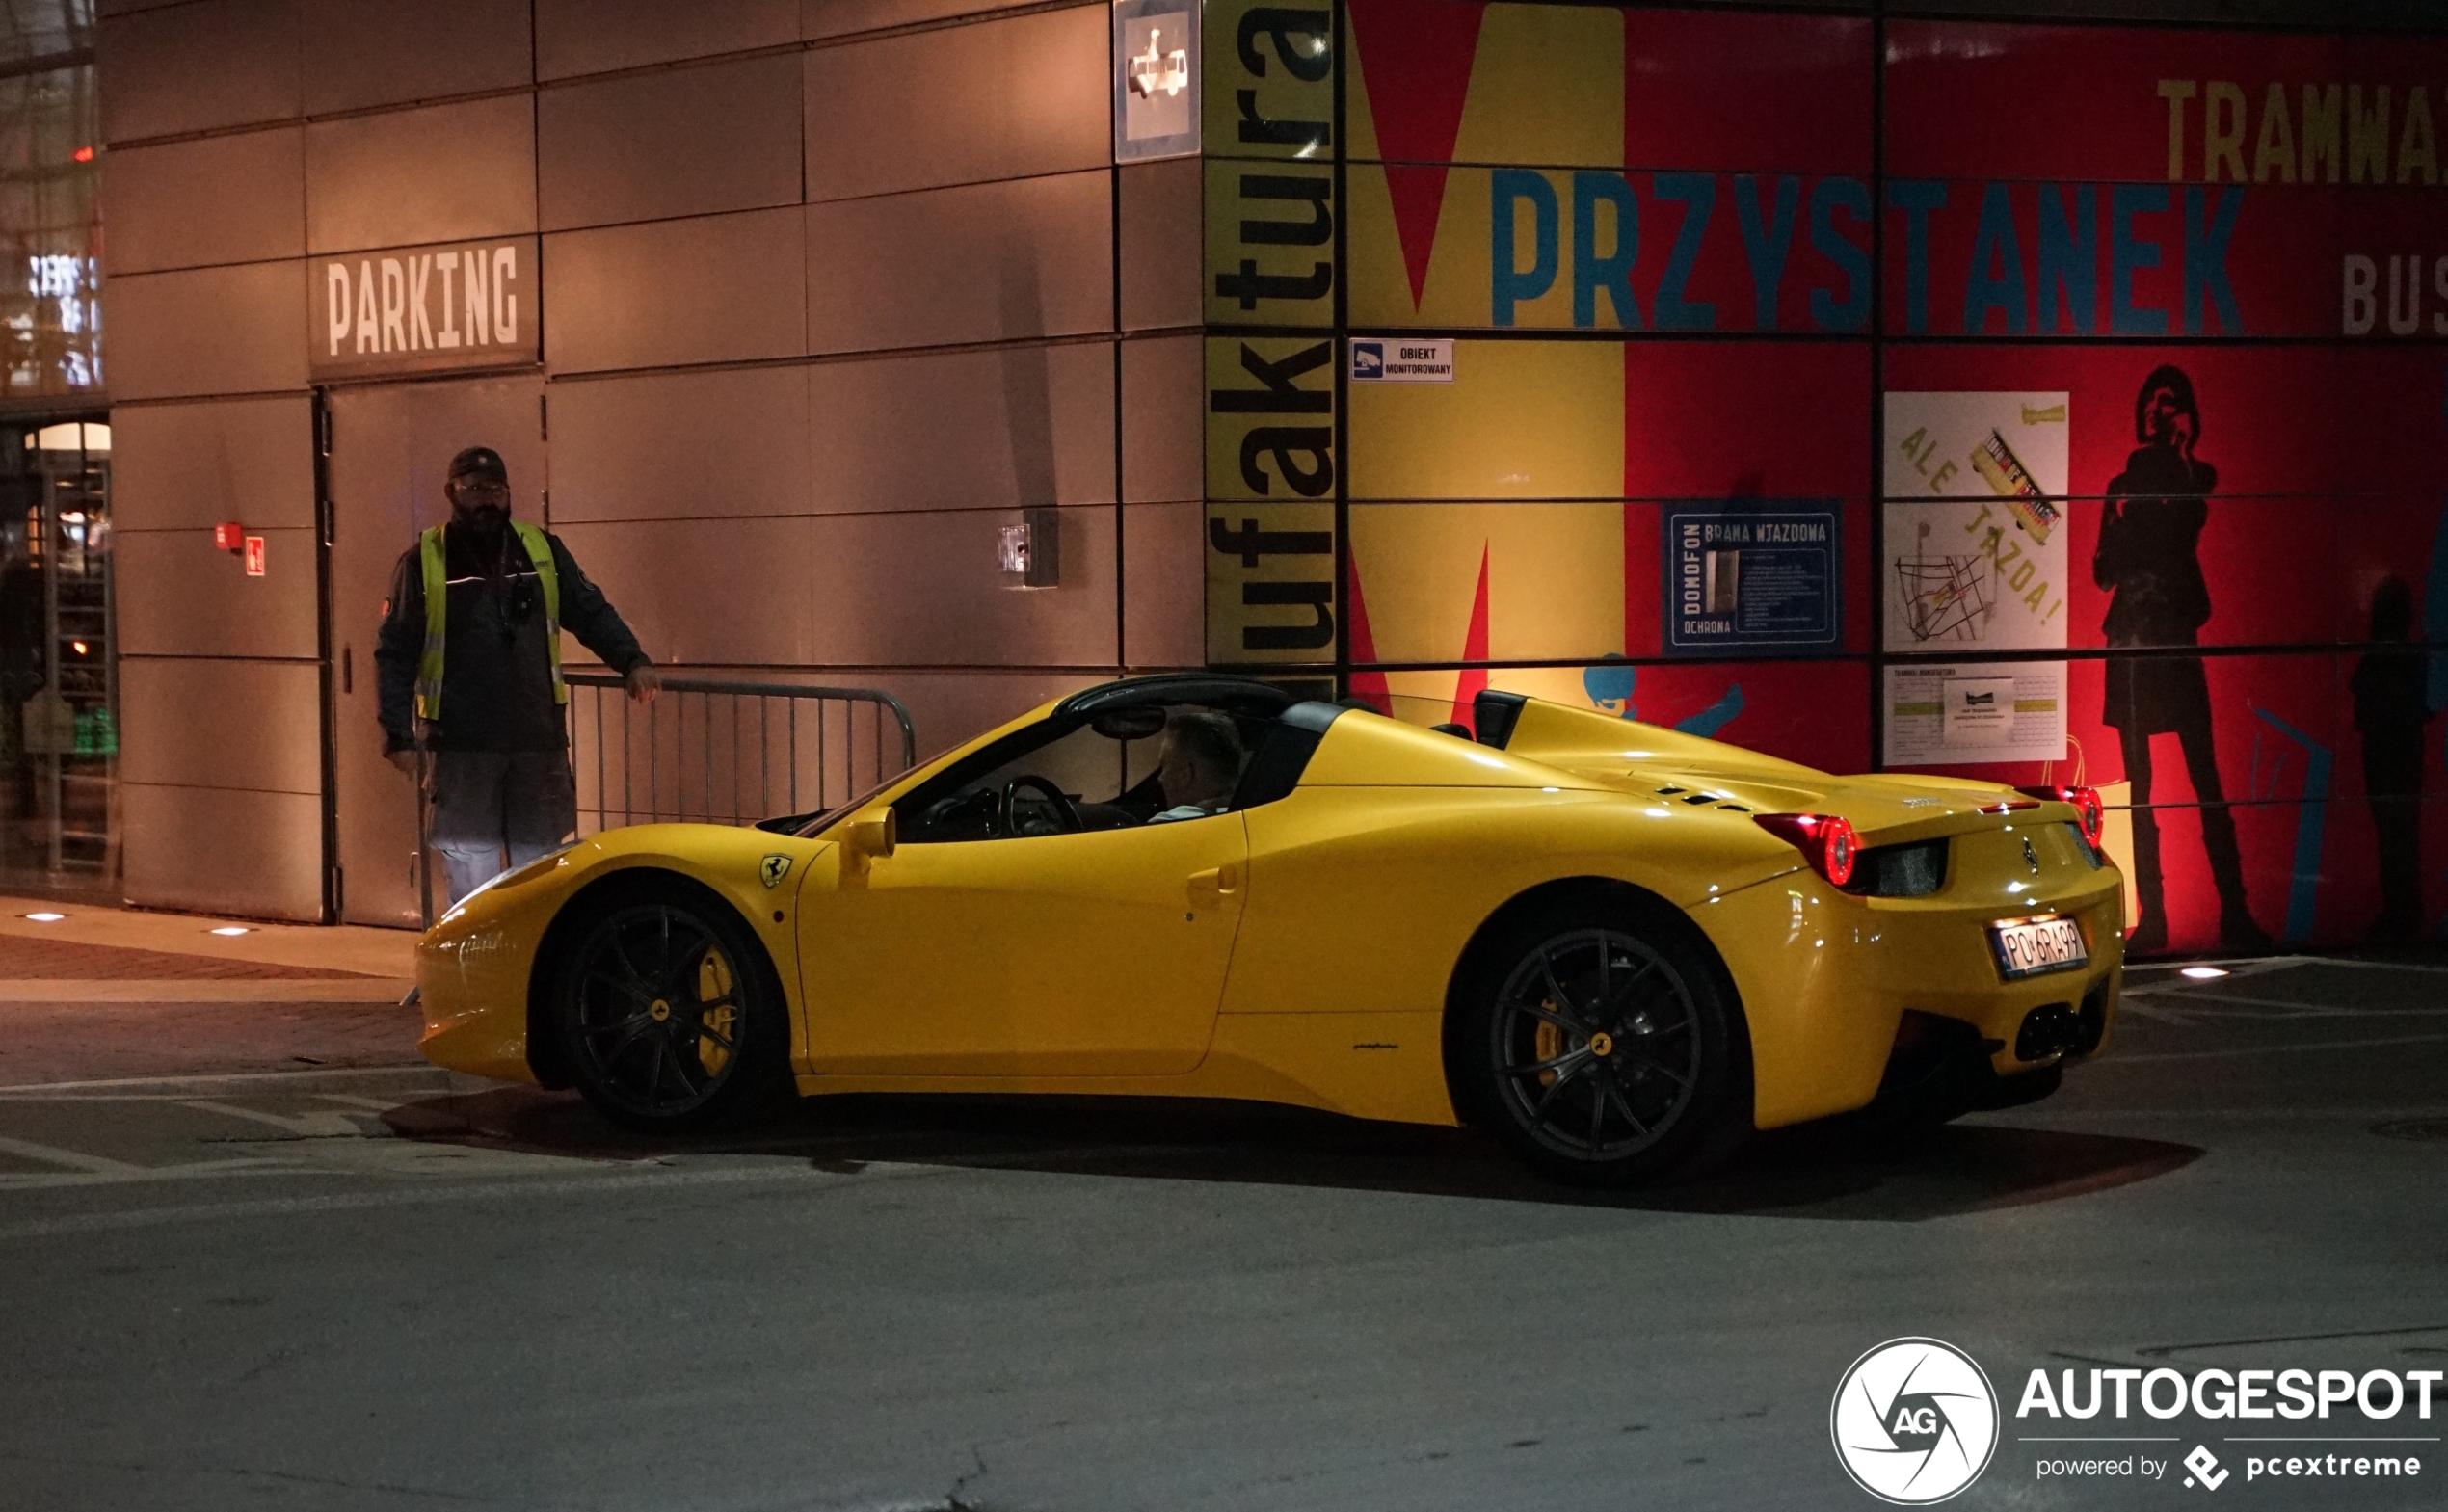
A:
(496, 669)
(2149, 548)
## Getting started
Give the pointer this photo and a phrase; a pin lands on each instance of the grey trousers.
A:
(496, 811)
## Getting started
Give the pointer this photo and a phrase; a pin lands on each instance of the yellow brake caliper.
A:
(713, 985)
(1551, 1044)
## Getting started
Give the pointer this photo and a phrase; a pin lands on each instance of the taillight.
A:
(2088, 808)
(1826, 841)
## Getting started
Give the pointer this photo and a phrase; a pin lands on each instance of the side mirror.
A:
(869, 838)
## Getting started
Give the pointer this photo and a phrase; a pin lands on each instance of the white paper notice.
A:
(1973, 712)
(1975, 522)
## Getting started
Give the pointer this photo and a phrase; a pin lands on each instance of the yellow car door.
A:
(1096, 953)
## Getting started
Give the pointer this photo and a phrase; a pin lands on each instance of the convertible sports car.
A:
(1618, 947)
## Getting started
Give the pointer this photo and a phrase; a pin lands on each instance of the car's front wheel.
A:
(1602, 1046)
(670, 1012)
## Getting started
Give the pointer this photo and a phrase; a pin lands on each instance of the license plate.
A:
(2037, 947)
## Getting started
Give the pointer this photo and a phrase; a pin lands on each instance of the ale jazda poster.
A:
(1975, 487)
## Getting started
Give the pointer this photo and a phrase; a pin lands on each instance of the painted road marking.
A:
(74, 1159)
(135, 1175)
(791, 1170)
(306, 1125)
(43, 1091)
(205, 990)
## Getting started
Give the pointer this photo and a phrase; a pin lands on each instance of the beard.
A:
(485, 522)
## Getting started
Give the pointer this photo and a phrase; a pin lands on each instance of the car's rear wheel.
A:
(671, 1015)
(1604, 1048)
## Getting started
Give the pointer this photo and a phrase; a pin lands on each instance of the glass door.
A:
(59, 700)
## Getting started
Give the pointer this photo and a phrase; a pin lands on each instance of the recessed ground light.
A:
(46, 918)
(233, 929)
(2202, 973)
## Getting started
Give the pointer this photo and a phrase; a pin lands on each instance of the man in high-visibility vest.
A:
(470, 661)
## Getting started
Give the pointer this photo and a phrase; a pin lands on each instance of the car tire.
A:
(1604, 1045)
(670, 1013)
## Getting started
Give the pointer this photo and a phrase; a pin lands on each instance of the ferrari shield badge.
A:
(773, 870)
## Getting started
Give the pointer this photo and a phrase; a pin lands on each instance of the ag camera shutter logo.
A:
(1914, 1422)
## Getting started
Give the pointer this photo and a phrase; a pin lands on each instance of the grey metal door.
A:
(389, 446)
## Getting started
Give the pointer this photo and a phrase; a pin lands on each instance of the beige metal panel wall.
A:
(928, 590)
(716, 289)
(745, 508)
(691, 140)
(220, 850)
(221, 775)
(983, 262)
(907, 589)
(187, 205)
(1031, 99)
(178, 596)
(1164, 586)
(190, 723)
(686, 445)
(998, 429)
(740, 595)
(1163, 251)
(190, 466)
(948, 707)
(361, 53)
(401, 178)
(199, 68)
(1163, 559)
(823, 19)
(1164, 414)
(575, 37)
(220, 772)
(205, 330)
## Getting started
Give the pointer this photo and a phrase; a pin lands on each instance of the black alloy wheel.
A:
(1605, 1054)
(671, 1016)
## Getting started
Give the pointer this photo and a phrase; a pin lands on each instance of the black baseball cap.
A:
(479, 462)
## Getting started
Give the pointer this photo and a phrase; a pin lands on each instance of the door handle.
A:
(1210, 888)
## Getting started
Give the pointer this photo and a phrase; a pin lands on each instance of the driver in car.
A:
(1200, 765)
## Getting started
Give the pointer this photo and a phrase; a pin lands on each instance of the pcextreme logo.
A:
(1914, 1422)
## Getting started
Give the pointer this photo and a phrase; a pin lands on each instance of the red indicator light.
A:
(1826, 841)
(2089, 811)
(83, 154)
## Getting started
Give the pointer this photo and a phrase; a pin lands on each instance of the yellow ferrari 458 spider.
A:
(1618, 947)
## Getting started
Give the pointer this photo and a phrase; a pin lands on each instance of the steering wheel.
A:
(1066, 816)
(962, 816)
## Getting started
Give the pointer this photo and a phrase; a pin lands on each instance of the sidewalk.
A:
(306, 949)
(102, 993)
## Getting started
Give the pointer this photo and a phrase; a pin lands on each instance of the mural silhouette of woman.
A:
(2148, 558)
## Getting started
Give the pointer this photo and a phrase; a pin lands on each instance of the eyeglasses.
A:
(481, 488)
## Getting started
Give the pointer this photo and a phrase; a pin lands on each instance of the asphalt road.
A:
(390, 1287)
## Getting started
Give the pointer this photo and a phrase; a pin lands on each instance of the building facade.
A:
(58, 734)
(2043, 397)
(784, 317)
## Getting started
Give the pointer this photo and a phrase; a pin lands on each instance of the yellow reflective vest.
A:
(429, 665)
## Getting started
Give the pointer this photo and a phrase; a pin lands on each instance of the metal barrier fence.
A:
(712, 751)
